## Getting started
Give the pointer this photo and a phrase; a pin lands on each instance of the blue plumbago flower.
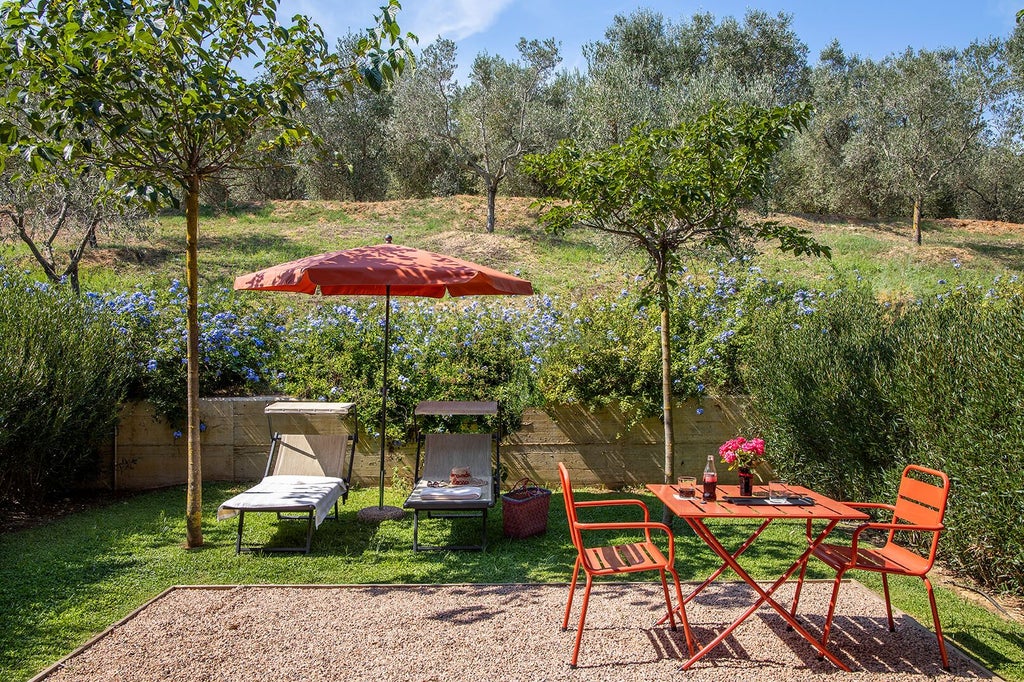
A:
(700, 388)
(202, 427)
(151, 365)
(177, 434)
(700, 410)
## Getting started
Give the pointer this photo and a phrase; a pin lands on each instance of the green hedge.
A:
(64, 369)
(855, 391)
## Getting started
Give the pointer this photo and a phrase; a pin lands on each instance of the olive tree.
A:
(61, 212)
(666, 192)
(156, 93)
(492, 121)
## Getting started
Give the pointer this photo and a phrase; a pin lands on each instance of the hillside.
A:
(241, 240)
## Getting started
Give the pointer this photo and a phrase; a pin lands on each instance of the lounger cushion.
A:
(288, 493)
(458, 492)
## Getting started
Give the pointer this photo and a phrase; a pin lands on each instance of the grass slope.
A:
(238, 241)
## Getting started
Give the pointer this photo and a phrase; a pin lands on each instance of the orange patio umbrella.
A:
(384, 270)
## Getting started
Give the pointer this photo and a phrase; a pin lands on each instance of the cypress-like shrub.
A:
(854, 391)
(959, 386)
(63, 371)
(816, 398)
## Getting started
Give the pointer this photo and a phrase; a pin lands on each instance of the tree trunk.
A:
(194, 494)
(666, 389)
(917, 219)
(492, 197)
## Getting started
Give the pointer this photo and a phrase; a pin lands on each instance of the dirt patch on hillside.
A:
(493, 250)
(993, 227)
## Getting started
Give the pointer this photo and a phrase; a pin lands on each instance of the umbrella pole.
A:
(380, 512)
(384, 390)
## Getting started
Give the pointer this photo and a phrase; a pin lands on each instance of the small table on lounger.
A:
(804, 505)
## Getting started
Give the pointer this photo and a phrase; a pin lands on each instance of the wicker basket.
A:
(524, 509)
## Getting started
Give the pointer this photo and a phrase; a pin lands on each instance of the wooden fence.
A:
(596, 446)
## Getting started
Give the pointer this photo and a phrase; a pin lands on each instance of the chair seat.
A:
(635, 556)
(887, 559)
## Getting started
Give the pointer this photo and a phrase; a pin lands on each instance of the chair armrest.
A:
(902, 527)
(617, 503)
(646, 526)
(898, 526)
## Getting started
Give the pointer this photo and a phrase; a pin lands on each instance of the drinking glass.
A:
(778, 489)
(686, 486)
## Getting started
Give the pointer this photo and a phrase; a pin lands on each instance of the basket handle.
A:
(522, 485)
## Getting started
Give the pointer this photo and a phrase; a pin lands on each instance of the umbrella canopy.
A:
(384, 270)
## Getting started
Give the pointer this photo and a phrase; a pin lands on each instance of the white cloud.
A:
(453, 19)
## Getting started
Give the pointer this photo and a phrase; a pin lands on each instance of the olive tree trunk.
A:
(917, 220)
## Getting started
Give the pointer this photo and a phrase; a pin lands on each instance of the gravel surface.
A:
(494, 632)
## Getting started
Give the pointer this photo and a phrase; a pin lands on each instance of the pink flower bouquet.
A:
(742, 453)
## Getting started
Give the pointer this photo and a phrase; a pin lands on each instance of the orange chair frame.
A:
(614, 559)
(920, 507)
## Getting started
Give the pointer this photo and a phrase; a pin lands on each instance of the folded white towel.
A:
(458, 492)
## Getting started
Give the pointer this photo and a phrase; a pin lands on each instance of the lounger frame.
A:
(437, 453)
(304, 454)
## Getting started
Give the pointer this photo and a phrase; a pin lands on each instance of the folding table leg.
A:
(765, 595)
(721, 569)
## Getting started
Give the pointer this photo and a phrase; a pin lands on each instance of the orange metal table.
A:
(695, 513)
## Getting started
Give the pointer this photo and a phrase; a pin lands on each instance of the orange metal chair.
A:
(920, 507)
(614, 559)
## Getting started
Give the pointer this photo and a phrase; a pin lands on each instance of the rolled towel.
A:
(458, 492)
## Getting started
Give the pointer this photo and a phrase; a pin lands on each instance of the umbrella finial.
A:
(387, 239)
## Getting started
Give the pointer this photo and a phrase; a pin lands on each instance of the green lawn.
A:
(67, 580)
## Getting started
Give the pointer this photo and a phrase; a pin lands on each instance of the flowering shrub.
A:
(605, 348)
(238, 344)
(742, 453)
(466, 349)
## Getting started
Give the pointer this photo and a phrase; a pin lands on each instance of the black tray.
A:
(763, 501)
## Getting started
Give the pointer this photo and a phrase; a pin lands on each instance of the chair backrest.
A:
(444, 451)
(570, 507)
(309, 455)
(921, 500)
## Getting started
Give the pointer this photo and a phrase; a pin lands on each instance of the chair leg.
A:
(572, 591)
(888, 602)
(583, 618)
(935, 620)
(668, 599)
(799, 587)
(690, 641)
(831, 609)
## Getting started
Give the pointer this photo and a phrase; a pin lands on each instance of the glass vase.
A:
(746, 482)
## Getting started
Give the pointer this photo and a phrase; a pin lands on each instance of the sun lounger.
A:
(306, 469)
(441, 452)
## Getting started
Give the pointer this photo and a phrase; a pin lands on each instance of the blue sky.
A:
(871, 28)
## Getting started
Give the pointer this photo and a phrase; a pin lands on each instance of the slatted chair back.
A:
(444, 451)
(921, 501)
(570, 509)
(309, 455)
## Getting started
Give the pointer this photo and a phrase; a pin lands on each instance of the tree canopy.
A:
(157, 94)
(668, 192)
